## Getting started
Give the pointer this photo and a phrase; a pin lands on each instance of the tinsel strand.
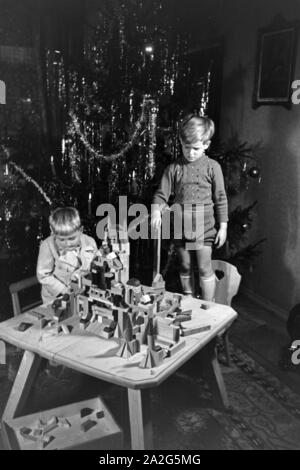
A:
(30, 180)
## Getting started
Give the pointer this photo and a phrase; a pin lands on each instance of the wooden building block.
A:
(166, 329)
(194, 330)
(117, 264)
(175, 347)
(44, 322)
(65, 329)
(59, 314)
(152, 359)
(27, 433)
(86, 411)
(87, 425)
(51, 424)
(205, 306)
(23, 326)
(34, 314)
(106, 332)
(124, 350)
(134, 346)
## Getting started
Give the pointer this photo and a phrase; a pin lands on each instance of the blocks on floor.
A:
(86, 425)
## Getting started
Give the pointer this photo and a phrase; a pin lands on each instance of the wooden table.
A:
(95, 356)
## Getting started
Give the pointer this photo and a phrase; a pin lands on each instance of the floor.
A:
(263, 335)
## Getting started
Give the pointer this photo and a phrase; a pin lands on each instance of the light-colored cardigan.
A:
(52, 272)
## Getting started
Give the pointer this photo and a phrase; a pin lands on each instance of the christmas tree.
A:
(240, 169)
(111, 128)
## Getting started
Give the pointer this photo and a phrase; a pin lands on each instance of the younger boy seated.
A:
(65, 253)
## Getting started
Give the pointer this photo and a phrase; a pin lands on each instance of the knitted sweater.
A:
(199, 182)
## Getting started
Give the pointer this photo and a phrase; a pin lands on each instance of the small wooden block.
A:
(87, 425)
(205, 306)
(59, 314)
(33, 313)
(83, 323)
(66, 329)
(24, 326)
(51, 424)
(44, 322)
(109, 275)
(63, 423)
(86, 412)
(26, 433)
(187, 312)
(175, 347)
(117, 263)
(145, 299)
(134, 346)
(106, 333)
(181, 318)
(100, 414)
(46, 440)
(196, 329)
(50, 427)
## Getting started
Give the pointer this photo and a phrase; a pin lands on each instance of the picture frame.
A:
(275, 63)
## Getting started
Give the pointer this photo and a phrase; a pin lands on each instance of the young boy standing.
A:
(197, 182)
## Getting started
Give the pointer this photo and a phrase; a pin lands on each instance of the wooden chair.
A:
(16, 288)
(228, 284)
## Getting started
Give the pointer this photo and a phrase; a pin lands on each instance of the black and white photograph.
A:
(149, 228)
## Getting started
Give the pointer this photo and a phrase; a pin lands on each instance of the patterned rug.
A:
(264, 414)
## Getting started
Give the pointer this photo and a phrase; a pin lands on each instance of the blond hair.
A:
(64, 221)
(194, 127)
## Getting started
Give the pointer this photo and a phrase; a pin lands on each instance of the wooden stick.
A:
(157, 250)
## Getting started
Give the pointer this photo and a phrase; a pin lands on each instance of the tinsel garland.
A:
(30, 180)
(153, 112)
(99, 156)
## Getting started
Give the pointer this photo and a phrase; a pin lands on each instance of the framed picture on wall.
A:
(275, 63)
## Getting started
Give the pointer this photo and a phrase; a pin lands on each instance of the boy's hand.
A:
(221, 236)
(156, 219)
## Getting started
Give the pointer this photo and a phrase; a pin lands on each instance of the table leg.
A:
(20, 390)
(140, 419)
(214, 375)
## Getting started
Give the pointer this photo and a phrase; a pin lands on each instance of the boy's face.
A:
(192, 152)
(68, 242)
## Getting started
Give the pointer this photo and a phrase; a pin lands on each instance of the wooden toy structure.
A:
(110, 305)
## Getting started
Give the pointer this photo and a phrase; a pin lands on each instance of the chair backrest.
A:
(228, 283)
(16, 288)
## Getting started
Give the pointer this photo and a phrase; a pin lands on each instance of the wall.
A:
(276, 275)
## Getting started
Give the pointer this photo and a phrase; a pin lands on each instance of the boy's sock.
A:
(186, 284)
(208, 287)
